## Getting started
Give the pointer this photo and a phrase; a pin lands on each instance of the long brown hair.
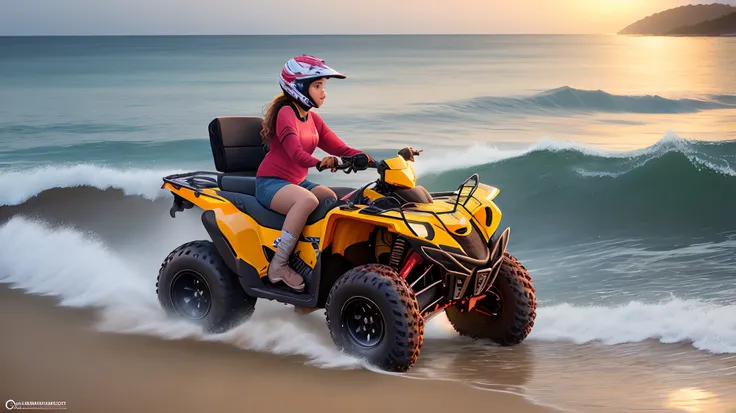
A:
(269, 120)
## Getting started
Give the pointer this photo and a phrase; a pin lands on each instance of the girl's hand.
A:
(328, 162)
(409, 153)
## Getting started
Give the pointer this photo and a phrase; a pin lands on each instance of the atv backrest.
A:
(236, 143)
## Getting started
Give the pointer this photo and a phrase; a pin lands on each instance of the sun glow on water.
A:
(692, 400)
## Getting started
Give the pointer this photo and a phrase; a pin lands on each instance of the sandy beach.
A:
(53, 354)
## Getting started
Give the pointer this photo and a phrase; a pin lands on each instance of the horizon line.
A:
(302, 34)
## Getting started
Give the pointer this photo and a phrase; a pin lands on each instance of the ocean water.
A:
(615, 156)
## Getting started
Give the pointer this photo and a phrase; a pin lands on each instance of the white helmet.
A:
(299, 73)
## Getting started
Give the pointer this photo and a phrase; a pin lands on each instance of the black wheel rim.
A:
(364, 321)
(491, 305)
(190, 295)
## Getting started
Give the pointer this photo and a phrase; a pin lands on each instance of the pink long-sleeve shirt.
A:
(290, 150)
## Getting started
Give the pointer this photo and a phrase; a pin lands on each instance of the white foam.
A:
(482, 154)
(17, 187)
(486, 153)
(477, 154)
(724, 170)
(81, 272)
(707, 326)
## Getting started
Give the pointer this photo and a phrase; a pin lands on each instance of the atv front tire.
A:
(372, 314)
(195, 284)
(506, 314)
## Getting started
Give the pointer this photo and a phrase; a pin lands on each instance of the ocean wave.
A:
(26, 154)
(82, 128)
(564, 192)
(81, 271)
(568, 99)
(707, 326)
(559, 189)
(717, 156)
(19, 186)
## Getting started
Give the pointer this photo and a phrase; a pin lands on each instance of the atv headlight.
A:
(420, 229)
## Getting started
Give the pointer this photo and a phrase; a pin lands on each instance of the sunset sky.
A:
(31, 17)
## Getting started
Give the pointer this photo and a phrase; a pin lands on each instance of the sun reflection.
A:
(692, 400)
(667, 66)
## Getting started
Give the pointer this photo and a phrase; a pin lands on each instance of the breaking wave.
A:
(567, 99)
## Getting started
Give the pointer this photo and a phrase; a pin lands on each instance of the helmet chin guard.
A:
(299, 73)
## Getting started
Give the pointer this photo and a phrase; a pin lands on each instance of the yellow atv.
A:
(381, 260)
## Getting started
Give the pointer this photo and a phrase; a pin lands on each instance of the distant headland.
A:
(693, 20)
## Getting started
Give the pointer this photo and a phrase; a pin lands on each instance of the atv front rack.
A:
(470, 191)
(459, 197)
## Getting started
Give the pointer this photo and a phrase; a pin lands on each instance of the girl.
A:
(293, 132)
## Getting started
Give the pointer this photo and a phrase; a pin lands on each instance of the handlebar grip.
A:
(337, 166)
(346, 165)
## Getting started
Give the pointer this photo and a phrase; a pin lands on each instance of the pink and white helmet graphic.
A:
(298, 73)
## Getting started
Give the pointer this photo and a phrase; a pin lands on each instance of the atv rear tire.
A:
(372, 314)
(514, 313)
(195, 284)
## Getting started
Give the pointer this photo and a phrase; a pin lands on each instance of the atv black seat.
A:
(240, 182)
(244, 183)
(236, 144)
(269, 218)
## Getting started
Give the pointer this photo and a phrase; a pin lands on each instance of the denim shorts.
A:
(266, 188)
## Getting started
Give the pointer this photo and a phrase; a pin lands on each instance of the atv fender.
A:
(186, 198)
(345, 228)
(351, 232)
(485, 212)
(221, 230)
(237, 239)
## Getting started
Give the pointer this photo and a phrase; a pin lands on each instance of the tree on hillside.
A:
(666, 21)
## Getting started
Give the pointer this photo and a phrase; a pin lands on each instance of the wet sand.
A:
(52, 353)
(592, 377)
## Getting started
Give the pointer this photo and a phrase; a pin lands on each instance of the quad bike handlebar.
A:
(361, 162)
(353, 163)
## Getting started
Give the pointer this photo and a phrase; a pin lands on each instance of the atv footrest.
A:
(282, 293)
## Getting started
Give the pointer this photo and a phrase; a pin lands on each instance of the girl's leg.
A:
(323, 192)
(296, 203)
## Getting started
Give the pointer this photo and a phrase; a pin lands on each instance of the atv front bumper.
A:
(467, 276)
(485, 276)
